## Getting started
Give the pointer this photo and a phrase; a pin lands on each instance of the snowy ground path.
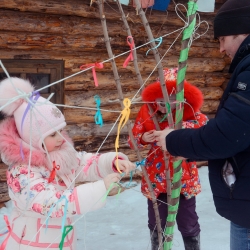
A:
(122, 224)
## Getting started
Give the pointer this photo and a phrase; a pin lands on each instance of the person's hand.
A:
(124, 165)
(114, 177)
(179, 158)
(160, 137)
(148, 136)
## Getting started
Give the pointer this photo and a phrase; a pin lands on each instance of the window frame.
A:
(55, 68)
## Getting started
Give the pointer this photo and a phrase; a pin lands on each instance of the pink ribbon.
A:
(93, 65)
(3, 246)
(130, 57)
(89, 162)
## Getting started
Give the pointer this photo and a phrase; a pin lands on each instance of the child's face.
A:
(53, 141)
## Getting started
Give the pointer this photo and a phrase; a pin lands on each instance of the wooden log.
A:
(17, 21)
(210, 106)
(4, 193)
(82, 8)
(212, 93)
(87, 42)
(106, 80)
(78, 116)
(84, 116)
(3, 169)
(86, 98)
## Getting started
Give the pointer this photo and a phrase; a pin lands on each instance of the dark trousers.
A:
(187, 219)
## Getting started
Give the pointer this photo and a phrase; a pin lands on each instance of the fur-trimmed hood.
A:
(192, 95)
(10, 144)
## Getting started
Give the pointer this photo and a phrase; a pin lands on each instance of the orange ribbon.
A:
(93, 65)
(130, 57)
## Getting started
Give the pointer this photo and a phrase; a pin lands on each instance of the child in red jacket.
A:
(187, 219)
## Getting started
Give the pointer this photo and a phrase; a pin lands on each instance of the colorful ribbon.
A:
(89, 162)
(53, 172)
(140, 163)
(93, 65)
(98, 115)
(157, 40)
(63, 197)
(130, 57)
(109, 189)
(125, 116)
(3, 246)
(66, 230)
(32, 100)
(168, 112)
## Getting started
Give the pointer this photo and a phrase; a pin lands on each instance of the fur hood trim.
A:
(192, 94)
(10, 142)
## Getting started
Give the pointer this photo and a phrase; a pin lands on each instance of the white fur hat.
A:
(36, 119)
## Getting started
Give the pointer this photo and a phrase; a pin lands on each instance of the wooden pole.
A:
(172, 211)
(129, 127)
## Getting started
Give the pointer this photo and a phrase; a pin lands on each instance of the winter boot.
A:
(154, 240)
(192, 242)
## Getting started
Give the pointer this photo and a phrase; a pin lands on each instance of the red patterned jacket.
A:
(155, 165)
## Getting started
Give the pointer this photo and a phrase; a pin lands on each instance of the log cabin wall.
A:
(70, 30)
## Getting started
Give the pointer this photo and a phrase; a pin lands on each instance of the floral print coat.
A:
(155, 165)
(40, 207)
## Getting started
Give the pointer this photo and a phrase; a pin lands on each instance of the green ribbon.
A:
(66, 230)
(168, 108)
(109, 189)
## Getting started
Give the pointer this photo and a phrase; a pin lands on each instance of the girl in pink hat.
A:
(44, 168)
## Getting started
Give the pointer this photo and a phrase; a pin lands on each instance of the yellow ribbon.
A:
(125, 116)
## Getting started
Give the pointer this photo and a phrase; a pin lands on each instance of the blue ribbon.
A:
(140, 163)
(34, 97)
(157, 40)
(98, 115)
(63, 197)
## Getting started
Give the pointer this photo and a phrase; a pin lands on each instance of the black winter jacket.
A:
(225, 138)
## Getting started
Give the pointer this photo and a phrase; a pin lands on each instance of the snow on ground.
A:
(122, 223)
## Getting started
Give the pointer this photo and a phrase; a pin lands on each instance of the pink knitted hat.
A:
(36, 120)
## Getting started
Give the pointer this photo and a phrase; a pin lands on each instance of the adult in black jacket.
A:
(225, 140)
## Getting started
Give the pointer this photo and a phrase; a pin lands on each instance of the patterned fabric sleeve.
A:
(32, 192)
(95, 167)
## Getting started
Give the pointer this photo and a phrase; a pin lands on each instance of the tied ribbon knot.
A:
(66, 230)
(89, 162)
(140, 163)
(53, 172)
(3, 246)
(132, 46)
(137, 164)
(32, 100)
(63, 197)
(93, 65)
(125, 116)
(98, 115)
(156, 40)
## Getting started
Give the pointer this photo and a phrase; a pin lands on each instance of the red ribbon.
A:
(130, 57)
(3, 246)
(93, 65)
(53, 173)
